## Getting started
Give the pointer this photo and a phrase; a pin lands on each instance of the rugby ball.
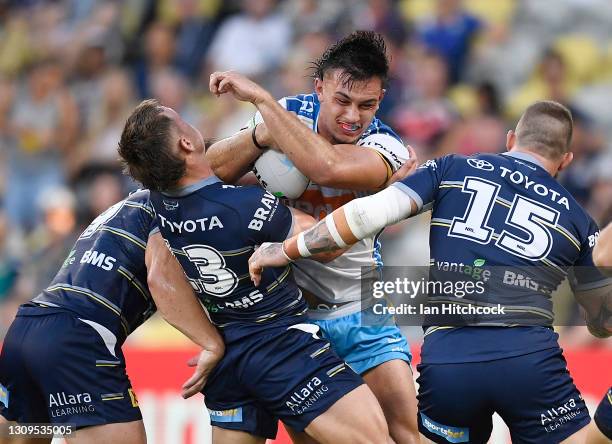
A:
(278, 175)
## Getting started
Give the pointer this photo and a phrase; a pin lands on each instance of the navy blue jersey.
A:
(213, 229)
(104, 277)
(503, 219)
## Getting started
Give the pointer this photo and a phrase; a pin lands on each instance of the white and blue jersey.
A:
(338, 283)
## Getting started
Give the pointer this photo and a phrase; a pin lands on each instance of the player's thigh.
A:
(595, 435)
(452, 403)
(356, 418)
(300, 437)
(578, 438)
(132, 432)
(225, 436)
(393, 386)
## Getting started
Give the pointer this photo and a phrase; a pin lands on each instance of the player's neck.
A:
(551, 167)
(195, 173)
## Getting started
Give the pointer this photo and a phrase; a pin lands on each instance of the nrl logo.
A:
(170, 205)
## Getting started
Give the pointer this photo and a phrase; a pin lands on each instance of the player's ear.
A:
(567, 159)
(382, 94)
(318, 83)
(510, 139)
(186, 145)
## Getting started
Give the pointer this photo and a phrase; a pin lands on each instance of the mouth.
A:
(350, 128)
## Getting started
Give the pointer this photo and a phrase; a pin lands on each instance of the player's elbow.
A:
(603, 260)
(223, 172)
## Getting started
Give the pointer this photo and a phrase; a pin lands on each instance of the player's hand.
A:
(237, 85)
(204, 363)
(267, 255)
(406, 169)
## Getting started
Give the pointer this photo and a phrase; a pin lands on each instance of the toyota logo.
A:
(480, 164)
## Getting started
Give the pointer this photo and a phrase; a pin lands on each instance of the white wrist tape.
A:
(368, 215)
(331, 226)
(302, 248)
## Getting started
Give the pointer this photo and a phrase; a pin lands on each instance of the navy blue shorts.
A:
(287, 374)
(603, 415)
(57, 368)
(534, 394)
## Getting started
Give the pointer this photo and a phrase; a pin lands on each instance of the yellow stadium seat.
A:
(490, 11)
(465, 99)
(581, 55)
(497, 12)
(417, 10)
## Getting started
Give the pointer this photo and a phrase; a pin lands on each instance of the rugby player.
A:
(333, 137)
(501, 212)
(62, 362)
(275, 365)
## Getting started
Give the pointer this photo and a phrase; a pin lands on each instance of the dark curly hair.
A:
(360, 56)
(145, 151)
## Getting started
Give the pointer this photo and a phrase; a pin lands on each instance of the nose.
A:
(351, 114)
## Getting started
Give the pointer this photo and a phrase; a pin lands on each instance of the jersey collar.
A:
(524, 156)
(183, 191)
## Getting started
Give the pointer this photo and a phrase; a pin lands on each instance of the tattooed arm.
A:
(347, 225)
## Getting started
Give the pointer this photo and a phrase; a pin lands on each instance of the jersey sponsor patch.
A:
(231, 415)
(451, 434)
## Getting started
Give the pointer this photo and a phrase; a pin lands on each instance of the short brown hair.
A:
(145, 148)
(546, 127)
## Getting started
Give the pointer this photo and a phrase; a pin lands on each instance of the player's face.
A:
(346, 112)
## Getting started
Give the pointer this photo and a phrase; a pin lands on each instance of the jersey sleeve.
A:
(422, 185)
(390, 148)
(264, 217)
(585, 275)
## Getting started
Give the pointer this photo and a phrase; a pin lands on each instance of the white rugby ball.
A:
(278, 175)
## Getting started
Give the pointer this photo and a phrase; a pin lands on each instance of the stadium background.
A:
(461, 72)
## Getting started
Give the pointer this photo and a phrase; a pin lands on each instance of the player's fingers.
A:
(193, 361)
(194, 385)
(412, 153)
(255, 271)
(224, 85)
(213, 82)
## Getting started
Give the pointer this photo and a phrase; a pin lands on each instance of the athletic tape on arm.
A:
(368, 215)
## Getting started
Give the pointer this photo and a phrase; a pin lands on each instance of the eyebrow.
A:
(347, 97)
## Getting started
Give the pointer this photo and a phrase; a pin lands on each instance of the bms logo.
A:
(480, 164)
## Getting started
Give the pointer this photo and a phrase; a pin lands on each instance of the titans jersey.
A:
(503, 220)
(339, 281)
(213, 229)
(104, 278)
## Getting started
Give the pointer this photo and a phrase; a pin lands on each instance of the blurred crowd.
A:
(461, 73)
